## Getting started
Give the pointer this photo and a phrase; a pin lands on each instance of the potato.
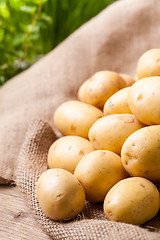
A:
(97, 89)
(136, 78)
(117, 103)
(133, 200)
(67, 151)
(128, 79)
(141, 153)
(76, 118)
(149, 64)
(98, 171)
(59, 194)
(110, 132)
(144, 100)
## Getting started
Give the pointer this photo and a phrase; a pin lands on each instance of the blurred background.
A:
(31, 28)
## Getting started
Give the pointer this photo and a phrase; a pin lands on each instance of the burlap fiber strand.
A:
(91, 223)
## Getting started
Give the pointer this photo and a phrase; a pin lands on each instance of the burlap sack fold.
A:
(113, 40)
(91, 224)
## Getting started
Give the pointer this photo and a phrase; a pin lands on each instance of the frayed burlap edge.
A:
(91, 223)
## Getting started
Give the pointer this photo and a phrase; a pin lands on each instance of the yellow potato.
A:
(149, 64)
(141, 153)
(128, 79)
(136, 78)
(97, 89)
(110, 132)
(133, 200)
(144, 100)
(76, 118)
(67, 151)
(59, 194)
(117, 103)
(98, 171)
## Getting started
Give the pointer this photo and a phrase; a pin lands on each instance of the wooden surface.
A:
(16, 219)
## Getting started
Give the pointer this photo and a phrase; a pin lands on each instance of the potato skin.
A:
(141, 153)
(98, 171)
(149, 64)
(144, 100)
(110, 132)
(76, 118)
(67, 151)
(136, 78)
(97, 89)
(117, 103)
(128, 79)
(59, 194)
(133, 200)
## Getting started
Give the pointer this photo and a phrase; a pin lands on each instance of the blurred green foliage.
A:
(31, 28)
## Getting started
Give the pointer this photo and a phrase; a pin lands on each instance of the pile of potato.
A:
(110, 151)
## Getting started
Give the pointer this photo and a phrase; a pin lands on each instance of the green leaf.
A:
(46, 18)
(28, 9)
(34, 36)
(3, 1)
(18, 39)
(42, 1)
(1, 34)
(2, 80)
(33, 28)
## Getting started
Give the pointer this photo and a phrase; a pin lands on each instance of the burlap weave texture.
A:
(91, 224)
